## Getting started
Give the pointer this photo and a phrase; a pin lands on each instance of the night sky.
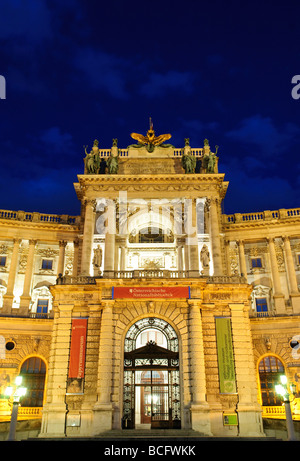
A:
(80, 70)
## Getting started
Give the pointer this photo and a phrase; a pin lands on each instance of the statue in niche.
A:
(150, 141)
(92, 159)
(97, 259)
(205, 259)
(112, 162)
(188, 160)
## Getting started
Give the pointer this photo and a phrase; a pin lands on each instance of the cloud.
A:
(257, 191)
(56, 141)
(30, 19)
(104, 71)
(261, 132)
(159, 84)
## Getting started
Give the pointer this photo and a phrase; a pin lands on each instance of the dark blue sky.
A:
(79, 70)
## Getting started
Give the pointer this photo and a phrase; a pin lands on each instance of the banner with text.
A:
(150, 292)
(77, 355)
(225, 356)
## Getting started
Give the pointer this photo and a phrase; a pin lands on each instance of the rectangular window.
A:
(261, 305)
(47, 264)
(256, 262)
(42, 307)
(2, 261)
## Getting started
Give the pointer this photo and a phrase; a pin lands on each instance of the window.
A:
(2, 261)
(42, 307)
(256, 262)
(47, 264)
(261, 306)
(33, 372)
(270, 369)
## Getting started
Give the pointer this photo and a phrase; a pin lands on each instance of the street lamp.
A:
(281, 389)
(16, 392)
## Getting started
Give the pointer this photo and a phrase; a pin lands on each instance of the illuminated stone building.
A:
(151, 309)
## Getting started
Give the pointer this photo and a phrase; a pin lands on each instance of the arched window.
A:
(33, 372)
(270, 368)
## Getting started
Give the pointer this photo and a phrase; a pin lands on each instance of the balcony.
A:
(267, 215)
(39, 217)
(148, 274)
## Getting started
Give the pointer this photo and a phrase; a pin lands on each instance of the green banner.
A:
(225, 356)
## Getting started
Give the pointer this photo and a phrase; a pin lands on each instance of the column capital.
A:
(62, 243)
(195, 303)
(270, 239)
(33, 242)
(88, 202)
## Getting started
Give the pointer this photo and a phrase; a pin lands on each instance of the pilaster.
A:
(103, 407)
(9, 296)
(26, 298)
(54, 411)
(242, 259)
(277, 291)
(199, 407)
(292, 278)
(88, 233)
(215, 236)
(248, 408)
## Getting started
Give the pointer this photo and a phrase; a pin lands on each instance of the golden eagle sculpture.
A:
(150, 141)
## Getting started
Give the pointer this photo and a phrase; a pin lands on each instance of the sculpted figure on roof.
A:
(150, 141)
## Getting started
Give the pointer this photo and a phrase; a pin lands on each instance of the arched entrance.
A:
(151, 376)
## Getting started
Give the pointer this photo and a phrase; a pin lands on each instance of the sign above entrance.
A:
(150, 292)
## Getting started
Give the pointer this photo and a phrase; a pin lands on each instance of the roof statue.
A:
(150, 141)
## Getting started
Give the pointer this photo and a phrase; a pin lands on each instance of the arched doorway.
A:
(33, 372)
(270, 368)
(151, 376)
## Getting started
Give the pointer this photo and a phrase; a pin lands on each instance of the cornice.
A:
(52, 227)
(153, 178)
(202, 183)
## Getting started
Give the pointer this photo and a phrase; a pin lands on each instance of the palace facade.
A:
(151, 309)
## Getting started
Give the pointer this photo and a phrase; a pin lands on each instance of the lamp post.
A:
(17, 392)
(281, 389)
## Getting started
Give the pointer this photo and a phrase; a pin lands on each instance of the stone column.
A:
(277, 292)
(75, 258)
(192, 239)
(215, 236)
(88, 233)
(180, 255)
(227, 252)
(61, 257)
(199, 407)
(54, 410)
(292, 278)
(242, 259)
(9, 295)
(248, 408)
(103, 407)
(26, 298)
(110, 235)
(122, 245)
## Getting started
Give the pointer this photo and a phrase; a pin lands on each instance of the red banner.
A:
(150, 292)
(77, 351)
